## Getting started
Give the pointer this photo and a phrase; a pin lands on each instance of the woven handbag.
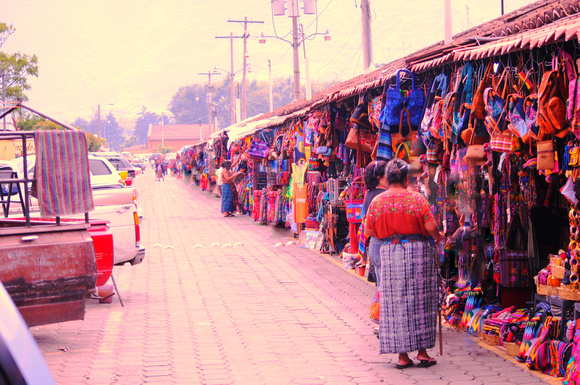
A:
(504, 142)
(398, 99)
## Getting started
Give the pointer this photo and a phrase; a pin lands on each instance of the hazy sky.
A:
(131, 53)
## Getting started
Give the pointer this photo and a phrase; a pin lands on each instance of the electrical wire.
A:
(350, 61)
(341, 48)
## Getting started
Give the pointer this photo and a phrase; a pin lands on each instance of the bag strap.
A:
(410, 74)
(402, 145)
(408, 114)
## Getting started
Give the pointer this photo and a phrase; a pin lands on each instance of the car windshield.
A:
(99, 167)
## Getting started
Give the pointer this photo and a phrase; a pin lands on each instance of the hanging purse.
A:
(546, 159)
(478, 109)
(504, 142)
(259, 149)
(359, 139)
(513, 260)
(398, 99)
(475, 152)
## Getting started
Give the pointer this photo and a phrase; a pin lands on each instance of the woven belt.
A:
(402, 238)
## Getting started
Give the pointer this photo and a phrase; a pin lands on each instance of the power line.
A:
(338, 53)
(350, 61)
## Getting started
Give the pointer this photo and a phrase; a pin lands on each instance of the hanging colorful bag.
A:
(504, 142)
(546, 157)
(478, 106)
(259, 149)
(360, 139)
(398, 99)
(354, 205)
(513, 260)
(552, 104)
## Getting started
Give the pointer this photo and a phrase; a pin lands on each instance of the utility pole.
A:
(208, 99)
(306, 65)
(270, 85)
(99, 119)
(246, 22)
(366, 34)
(294, 16)
(4, 96)
(232, 86)
(447, 10)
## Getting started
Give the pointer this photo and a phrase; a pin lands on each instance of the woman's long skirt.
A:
(227, 199)
(409, 296)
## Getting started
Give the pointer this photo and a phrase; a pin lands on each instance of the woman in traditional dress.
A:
(227, 188)
(403, 221)
(376, 183)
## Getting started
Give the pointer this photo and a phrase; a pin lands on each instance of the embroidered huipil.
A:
(404, 213)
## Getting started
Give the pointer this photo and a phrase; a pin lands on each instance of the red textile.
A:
(404, 213)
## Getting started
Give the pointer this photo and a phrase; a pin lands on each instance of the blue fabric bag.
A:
(398, 99)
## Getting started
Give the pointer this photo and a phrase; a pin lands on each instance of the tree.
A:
(164, 150)
(132, 141)
(17, 68)
(5, 32)
(142, 125)
(189, 105)
(112, 132)
(94, 142)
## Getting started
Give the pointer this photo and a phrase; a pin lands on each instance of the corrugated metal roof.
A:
(566, 29)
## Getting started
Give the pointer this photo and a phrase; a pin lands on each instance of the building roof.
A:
(536, 24)
(177, 132)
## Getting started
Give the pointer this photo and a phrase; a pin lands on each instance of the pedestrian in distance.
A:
(159, 172)
(402, 220)
(228, 186)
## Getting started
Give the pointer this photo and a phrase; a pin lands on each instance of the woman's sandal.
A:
(230, 215)
(426, 363)
(404, 366)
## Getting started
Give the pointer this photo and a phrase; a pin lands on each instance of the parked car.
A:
(114, 202)
(103, 173)
(20, 359)
(117, 160)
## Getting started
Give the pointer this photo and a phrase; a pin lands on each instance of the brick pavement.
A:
(217, 302)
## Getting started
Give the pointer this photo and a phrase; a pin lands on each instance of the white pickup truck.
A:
(114, 202)
(118, 206)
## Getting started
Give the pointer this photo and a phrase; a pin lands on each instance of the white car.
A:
(103, 173)
(114, 202)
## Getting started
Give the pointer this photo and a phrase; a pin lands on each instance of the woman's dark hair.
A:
(373, 173)
(397, 171)
(227, 164)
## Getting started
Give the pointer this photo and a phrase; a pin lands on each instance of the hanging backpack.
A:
(552, 103)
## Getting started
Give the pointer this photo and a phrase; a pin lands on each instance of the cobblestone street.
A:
(220, 301)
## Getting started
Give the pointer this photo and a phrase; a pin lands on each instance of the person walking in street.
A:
(159, 172)
(228, 187)
(402, 220)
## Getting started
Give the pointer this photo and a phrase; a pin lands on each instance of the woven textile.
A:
(227, 198)
(63, 184)
(409, 294)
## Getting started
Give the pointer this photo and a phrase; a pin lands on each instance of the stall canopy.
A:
(247, 127)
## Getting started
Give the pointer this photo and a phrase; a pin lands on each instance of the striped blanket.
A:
(62, 173)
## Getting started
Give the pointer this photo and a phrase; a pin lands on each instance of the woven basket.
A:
(558, 271)
(552, 290)
(542, 289)
(568, 294)
(512, 348)
(492, 339)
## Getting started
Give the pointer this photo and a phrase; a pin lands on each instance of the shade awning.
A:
(567, 29)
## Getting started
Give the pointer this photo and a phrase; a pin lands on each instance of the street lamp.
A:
(299, 37)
